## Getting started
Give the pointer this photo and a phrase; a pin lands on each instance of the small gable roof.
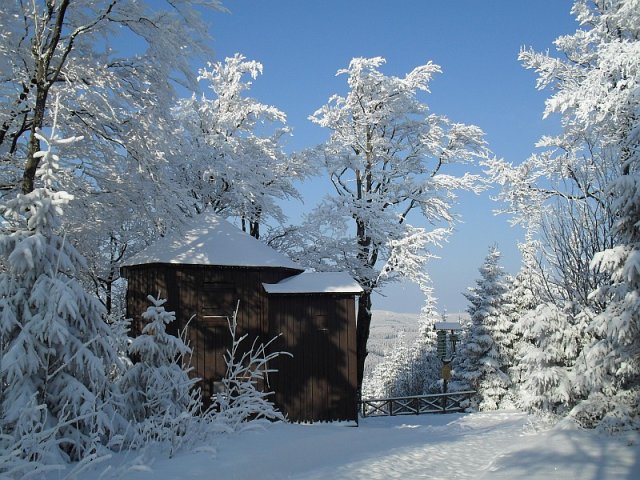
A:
(315, 282)
(210, 240)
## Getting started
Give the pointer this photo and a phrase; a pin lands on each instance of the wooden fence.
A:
(414, 405)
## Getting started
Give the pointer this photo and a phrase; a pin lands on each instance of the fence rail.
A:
(414, 405)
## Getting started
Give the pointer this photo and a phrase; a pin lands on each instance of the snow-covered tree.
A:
(503, 332)
(68, 48)
(56, 353)
(612, 361)
(157, 389)
(482, 364)
(592, 166)
(610, 82)
(526, 293)
(115, 65)
(236, 163)
(387, 157)
(551, 340)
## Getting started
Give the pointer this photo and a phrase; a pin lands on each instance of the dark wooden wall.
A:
(319, 382)
(211, 294)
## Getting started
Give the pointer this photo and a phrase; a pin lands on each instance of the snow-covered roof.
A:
(316, 282)
(211, 240)
(447, 326)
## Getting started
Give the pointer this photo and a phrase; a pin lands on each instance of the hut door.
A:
(217, 305)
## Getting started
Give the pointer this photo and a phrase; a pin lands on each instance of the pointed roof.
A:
(315, 282)
(211, 240)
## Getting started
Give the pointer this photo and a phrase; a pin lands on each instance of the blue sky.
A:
(303, 43)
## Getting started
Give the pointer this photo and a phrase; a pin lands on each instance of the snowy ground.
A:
(503, 445)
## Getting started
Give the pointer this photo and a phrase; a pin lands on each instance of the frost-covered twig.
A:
(242, 403)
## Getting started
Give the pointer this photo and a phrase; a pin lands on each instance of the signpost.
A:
(446, 350)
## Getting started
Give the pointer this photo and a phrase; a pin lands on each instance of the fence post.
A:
(444, 395)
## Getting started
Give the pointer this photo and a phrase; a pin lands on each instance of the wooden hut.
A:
(210, 266)
(315, 315)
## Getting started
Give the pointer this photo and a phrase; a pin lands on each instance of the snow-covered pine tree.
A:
(55, 344)
(503, 332)
(524, 296)
(157, 389)
(550, 315)
(480, 365)
(550, 343)
(606, 100)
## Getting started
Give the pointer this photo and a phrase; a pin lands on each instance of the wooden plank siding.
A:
(319, 382)
(211, 294)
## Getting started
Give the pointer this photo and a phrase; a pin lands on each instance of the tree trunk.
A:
(42, 54)
(254, 229)
(33, 146)
(362, 333)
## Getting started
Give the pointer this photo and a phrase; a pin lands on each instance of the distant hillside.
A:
(385, 328)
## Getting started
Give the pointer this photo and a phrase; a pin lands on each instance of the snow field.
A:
(497, 445)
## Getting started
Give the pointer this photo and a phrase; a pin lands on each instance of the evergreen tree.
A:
(157, 387)
(480, 364)
(550, 343)
(56, 352)
(585, 186)
(610, 367)
(410, 367)
(525, 296)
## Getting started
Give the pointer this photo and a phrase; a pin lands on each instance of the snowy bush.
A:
(242, 400)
